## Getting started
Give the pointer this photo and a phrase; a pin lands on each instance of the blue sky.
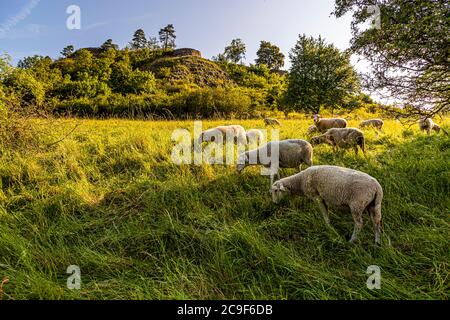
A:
(39, 26)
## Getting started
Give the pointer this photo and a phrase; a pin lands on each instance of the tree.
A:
(32, 61)
(270, 55)
(67, 51)
(152, 43)
(108, 45)
(139, 40)
(235, 52)
(320, 76)
(408, 53)
(167, 37)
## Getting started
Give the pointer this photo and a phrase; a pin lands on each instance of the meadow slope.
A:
(108, 199)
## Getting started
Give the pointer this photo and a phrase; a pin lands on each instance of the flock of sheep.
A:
(331, 187)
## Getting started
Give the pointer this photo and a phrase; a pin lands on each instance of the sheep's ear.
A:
(283, 188)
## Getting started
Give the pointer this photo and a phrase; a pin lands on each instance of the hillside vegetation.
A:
(107, 197)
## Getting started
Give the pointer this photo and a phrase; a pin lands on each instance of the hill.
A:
(188, 69)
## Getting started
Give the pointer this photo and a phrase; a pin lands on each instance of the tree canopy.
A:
(320, 76)
(409, 53)
(235, 52)
(270, 55)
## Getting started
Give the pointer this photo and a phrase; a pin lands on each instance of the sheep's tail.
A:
(376, 214)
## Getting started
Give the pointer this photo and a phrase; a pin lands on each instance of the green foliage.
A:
(68, 51)
(33, 62)
(320, 76)
(269, 55)
(409, 52)
(139, 40)
(22, 85)
(109, 45)
(235, 52)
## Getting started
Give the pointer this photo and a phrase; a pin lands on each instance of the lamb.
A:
(375, 123)
(337, 188)
(292, 153)
(254, 135)
(324, 124)
(271, 122)
(342, 138)
(233, 131)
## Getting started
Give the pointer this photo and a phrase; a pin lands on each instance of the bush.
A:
(25, 87)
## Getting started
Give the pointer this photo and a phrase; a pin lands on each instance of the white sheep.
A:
(292, 153)
(375, 123)
(271, 122)
(235, 132)
(333, 187)
(254, 135)
(427, 124)
(342, 138)
(325, 124)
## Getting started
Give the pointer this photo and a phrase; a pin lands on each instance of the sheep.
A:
(312, 129)
(235, 131)
(324, 124)
(254, 135)
(342, 138)
(337, 188)
(375, 123)
(292, 153)
(426, 124)
(271, 122)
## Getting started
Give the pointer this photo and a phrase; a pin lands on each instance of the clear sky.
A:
(29, 27)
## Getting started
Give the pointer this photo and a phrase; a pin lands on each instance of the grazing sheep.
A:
(235, 131)
(312, 129)
(426, 124)
(292, 153)
(271, 122)
(254, 135)
(342, 138)
(324, 124)
(375, 123)
(337, 188)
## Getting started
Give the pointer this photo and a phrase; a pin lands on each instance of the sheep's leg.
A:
(356, 150)
(357, 218)
(324, 210)
(375, 215)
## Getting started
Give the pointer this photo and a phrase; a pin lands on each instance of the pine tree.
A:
(67, 51)
(167, 37)
(139, 40)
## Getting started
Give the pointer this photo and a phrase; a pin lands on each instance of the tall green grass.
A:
(108, 199)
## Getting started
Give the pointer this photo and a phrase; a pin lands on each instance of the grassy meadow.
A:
(108, 198)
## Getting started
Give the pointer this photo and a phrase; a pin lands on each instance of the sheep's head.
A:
(242, 162)
(279, 191)
(312, 129)
(316, 118)
(317, 140)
